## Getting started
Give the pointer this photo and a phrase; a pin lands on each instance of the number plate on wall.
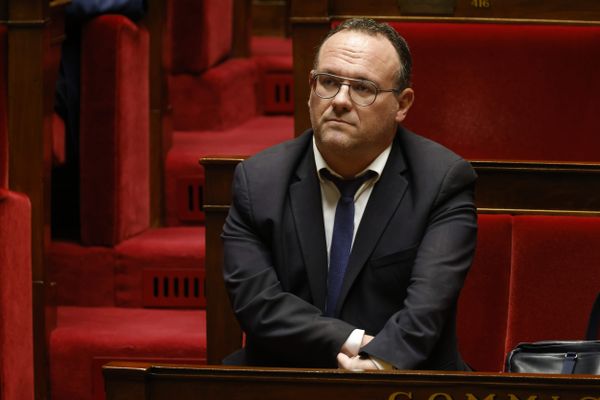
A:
(427, 7)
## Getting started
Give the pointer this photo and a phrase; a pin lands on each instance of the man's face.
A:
(340, 125)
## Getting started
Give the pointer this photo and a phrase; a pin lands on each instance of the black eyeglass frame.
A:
(345, 81)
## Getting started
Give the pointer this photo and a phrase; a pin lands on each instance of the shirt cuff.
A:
(352, 345)
(380, 364)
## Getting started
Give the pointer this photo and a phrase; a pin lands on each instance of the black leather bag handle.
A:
(594, 321)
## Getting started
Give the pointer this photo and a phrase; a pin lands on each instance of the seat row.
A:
(139, 289)
(533, 278)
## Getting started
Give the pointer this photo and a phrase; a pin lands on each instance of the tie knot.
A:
(348, 187)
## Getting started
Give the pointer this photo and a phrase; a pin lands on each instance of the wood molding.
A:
(140, 381)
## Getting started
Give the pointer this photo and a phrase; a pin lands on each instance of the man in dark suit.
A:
(320, 276)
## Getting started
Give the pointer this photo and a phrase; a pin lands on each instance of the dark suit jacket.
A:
(410, 256)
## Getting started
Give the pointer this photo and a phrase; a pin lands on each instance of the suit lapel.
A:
(306, 206)
(384, 200)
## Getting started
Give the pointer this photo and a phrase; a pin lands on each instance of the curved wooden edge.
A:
(445, 19)
(201, 369)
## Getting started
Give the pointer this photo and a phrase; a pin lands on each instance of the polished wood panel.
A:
(223, 333)
(270, 18)
(242, 28)
(582, 10)
(160, 107)
(585, 10)
(537, 188)
(142, 381)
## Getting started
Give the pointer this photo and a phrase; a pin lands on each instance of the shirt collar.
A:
(377, 165)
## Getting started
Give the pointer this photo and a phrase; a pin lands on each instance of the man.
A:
(362, 280)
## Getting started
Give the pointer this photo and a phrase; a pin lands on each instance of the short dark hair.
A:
(373, 28)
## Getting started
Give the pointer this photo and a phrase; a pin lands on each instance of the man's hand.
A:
(366, 339)
(356, 363)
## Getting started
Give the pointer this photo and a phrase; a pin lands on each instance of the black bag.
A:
(560, 357)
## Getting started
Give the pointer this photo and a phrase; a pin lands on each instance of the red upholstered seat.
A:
(84, 275)
(199, 34)
(163, 249)
(483, 303)
(507, 91)
(16, 327)
(555, 277)
(219, 98)
(273, 56)
(208, 90)
(115, 197)
(182, 166)
(88, 337)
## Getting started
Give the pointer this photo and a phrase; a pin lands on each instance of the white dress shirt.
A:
(329, 199)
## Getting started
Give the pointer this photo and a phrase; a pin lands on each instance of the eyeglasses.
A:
(362, 92)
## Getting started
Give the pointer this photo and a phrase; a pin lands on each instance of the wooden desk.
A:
(143, 381)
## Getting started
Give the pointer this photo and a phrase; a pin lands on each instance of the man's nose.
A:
(342, 98)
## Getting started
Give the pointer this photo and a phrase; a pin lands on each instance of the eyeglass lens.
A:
(361, 92)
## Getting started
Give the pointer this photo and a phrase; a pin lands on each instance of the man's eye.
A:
(362, 88)
(328, 82)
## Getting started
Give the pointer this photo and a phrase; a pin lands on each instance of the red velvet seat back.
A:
(483, 303)
(208, 89)
(16, 327)
(507, 91)
(555, 277)
(201, 33)
(114, 130)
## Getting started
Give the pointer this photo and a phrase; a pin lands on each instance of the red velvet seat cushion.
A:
(189, 147)
(162, 249)
(555, 277)
(87, 337)
(201, 33)
(483, 303)
(507, 91)
(16, 328)
(114, 131)
(84, 275)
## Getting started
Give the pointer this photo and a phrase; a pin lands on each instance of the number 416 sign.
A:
(481, 3)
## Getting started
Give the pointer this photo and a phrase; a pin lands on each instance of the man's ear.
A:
(310, 74)
(405, 101)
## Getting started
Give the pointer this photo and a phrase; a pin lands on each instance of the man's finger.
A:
(343, 361)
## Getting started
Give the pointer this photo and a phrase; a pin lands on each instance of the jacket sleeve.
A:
(443, 258)
(283, 325)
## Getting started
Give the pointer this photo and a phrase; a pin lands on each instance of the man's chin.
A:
(338, 139)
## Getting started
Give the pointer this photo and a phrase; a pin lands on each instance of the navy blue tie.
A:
(343, 231)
